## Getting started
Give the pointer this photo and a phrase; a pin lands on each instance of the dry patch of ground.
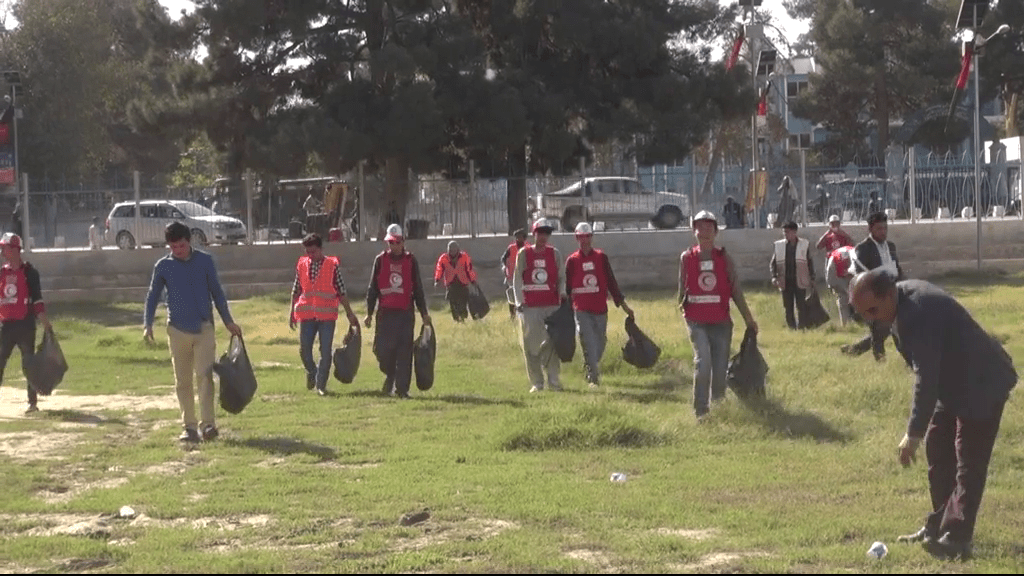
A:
(102, 526)
(13, 402)
(715, 561)
(62, 494)
(36, 446)
(697, 535)
(601, 561)
(472, 529)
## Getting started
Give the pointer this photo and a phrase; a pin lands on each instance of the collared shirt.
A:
(314, 269)
(191, 284)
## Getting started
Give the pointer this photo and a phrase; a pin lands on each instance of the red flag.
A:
(961, 82)
(736, 46)
(762, 101)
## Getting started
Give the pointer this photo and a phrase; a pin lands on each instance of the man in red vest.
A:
(539, 288)
(21, 303)
(835, 238)
(707, 280)
(589, 279)
(316, 294)
(508, 266)
(839, 270)
(456, 269)
(395, 284)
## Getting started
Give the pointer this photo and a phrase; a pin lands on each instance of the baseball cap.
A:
(394, 233)
(584, 229)
(11, 239)
(833, 218)
(705, 216)
(542, 225)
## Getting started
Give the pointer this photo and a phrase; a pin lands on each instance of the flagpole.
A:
(977, 139)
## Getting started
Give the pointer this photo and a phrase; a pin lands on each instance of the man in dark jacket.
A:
(964, 377)
(875, 251)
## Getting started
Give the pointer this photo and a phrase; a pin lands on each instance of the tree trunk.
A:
(717, 147)
(396, 193)
(881, 114)
(517, 216)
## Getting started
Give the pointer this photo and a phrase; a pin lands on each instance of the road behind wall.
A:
(641, 260)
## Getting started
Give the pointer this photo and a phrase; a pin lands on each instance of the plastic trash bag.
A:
(639, 351)
(423, 353)
(813, 314)
(237, 380)
(747, 369)
(47, 367)
(561, 326)
(347, 356)
(478, 304)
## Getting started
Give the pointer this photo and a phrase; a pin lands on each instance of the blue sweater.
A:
(190, 286)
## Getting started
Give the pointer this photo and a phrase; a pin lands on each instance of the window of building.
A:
(795, 88)
(799, 141)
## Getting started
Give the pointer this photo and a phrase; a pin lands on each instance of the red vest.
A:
(14, 296)
(319, 300)
(510, 264)
(462, 269)
(395, 281)
(540, 277)
(841, 260)
(707, 287)
(589, 288)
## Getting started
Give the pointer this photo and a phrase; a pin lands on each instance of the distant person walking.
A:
(508, 266)
(316, 294)
(21, 303)
(792, 272)
(539, 287)
(190, 278)
(875, 251)
(835, 237)
(16, 220)
(95, 234)
(732, 212)
(455, 269)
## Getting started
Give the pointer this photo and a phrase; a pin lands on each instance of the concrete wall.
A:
(647, 260)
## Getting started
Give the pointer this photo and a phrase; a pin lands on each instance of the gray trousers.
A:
(841, 288)
(392, 345)
(711, 343)
(593, 331)
(539, 352)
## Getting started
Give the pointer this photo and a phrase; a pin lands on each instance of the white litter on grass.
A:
(878, 550)
(618, 477)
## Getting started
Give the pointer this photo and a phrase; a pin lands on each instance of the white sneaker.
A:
(535, 389)
(594, 386)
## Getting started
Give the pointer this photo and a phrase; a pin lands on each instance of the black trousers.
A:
(392, 345)
(20, 333)
(959, 451)
(792, 299)
(458, 300)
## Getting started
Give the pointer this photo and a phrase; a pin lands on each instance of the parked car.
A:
(155, 215)
(610, 200)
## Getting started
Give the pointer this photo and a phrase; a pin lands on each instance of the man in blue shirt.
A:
(190, 278)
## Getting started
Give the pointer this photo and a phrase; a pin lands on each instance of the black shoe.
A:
(389, 388)
(403, 395)
(879, 357)
(321, 391)
(190, 435)
(310, 382)
(947, 548)
(31, 408)
(921, 535)
(210, 433)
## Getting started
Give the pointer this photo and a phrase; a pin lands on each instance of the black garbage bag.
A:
(47, 367)
(478, 304)
(346, 357)
(237, 380)
(640, 351)
(561, 326)
(423, 354)
(747, 369)
(813, 314)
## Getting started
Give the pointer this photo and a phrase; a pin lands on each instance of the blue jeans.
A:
(308, 331)
(711, 343)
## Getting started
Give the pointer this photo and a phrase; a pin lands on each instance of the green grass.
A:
(516, 482)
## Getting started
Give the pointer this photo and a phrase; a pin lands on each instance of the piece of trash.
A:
(878, 550)
(618, 477)
(126, 512)
(415, 517)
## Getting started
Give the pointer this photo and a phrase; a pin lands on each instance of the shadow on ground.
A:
(285, 446)
(775, 418)
(472, 400)
(79, 417)
(102, 314)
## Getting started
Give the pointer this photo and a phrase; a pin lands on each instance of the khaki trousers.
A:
(193, 353)
(539, 352)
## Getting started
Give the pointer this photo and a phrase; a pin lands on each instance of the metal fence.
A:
(909, 186)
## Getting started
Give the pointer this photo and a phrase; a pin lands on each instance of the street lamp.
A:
(972, 12)
(753, 33)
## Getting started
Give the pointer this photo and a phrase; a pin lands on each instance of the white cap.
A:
(705, 216)
(394, 233)
(543, 224)
(584, 229)
(833, 218)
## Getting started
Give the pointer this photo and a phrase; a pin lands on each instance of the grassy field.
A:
(514, 482)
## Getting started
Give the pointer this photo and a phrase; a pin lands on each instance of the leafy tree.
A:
(879, 59)
(1002, 63)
